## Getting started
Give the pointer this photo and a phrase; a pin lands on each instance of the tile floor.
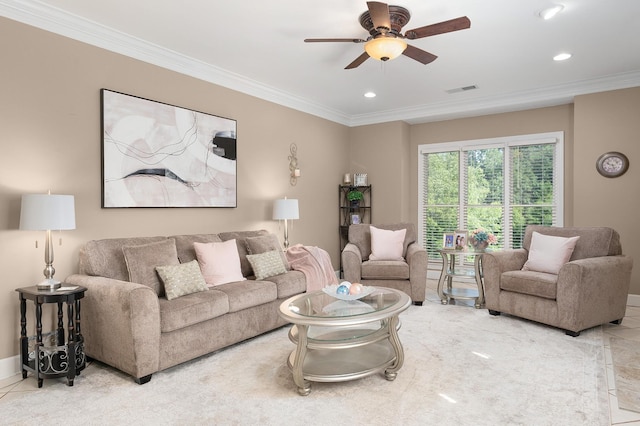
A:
(629, 329)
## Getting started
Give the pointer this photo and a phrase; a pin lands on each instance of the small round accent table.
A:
(52, 356)
(338, 340)
(452, 269)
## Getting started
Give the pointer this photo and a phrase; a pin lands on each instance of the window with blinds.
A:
(501, 184)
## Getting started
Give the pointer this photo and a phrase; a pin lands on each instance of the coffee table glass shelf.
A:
(338, 340)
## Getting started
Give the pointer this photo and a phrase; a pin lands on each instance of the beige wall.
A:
(382, 151)
(609, 122)
(50, 112)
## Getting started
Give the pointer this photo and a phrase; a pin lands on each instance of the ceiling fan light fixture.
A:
(385, 48)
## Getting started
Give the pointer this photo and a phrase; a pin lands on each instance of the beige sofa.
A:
(408, 275)
(589, 290)
(134, 329)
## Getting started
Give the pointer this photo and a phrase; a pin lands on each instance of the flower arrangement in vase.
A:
(480, 238)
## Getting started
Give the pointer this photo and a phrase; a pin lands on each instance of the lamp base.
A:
(49, 284)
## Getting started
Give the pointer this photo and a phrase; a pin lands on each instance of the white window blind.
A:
(501, 184)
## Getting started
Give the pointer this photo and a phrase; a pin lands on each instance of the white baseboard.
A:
(633, 300)
(9, 367)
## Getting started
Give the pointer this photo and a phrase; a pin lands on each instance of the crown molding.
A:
(43, 16)
(515, 101)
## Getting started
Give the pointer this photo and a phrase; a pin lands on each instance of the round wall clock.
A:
(612, 164)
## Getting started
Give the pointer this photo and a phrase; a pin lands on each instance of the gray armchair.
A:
(591, 289)
(408, 275)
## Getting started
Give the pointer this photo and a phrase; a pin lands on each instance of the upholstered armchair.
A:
(587, 288)
(401, 263)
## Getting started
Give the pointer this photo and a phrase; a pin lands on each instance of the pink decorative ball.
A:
(356, 288)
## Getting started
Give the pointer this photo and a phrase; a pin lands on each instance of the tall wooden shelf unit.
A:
(347, 210)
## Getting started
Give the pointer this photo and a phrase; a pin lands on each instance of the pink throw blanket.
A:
(314, 263)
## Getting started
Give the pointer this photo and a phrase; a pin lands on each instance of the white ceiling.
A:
(256, 47)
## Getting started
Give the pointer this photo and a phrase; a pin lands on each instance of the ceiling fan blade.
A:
(331, 40)
(359, 60)
(456, 24)
(419, 55)
(379, 13)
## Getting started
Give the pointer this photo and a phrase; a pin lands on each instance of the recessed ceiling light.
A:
(369, 95)
(562, 56)
(551, 12)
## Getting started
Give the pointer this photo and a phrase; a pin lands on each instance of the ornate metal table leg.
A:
(304, 387)
(443, 276)
(71, 346)
(477, 264)
(24, 340)
(392, 371)
(39, 347)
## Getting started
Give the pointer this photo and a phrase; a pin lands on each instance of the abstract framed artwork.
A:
(159, 155)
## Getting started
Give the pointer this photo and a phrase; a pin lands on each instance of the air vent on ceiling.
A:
(462, 89)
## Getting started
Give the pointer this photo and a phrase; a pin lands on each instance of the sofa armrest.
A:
(418, 260)
(494, 264)
(120, 323)
(352, 263)
(594, 288)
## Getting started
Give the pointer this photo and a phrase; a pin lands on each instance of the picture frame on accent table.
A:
(355, 219)
(460, 239)
(447, 240)
(160, 155)
(360, 179)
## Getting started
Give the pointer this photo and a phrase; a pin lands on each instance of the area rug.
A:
(462, 367)
(625, 355)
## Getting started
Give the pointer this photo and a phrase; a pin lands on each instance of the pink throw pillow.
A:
(386, 244)
(548, 253)
(219, 262)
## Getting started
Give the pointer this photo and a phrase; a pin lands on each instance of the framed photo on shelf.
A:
(360, 179)
(460, 239)
(355, 219)
(447, 240)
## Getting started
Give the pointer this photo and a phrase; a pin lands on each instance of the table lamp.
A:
(286, 209)
(46, 212)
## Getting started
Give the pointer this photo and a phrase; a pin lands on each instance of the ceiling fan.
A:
(385, 42)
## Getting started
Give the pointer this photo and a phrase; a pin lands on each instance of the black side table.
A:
(55, 357)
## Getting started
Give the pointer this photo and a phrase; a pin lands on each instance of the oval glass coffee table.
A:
(338, 340)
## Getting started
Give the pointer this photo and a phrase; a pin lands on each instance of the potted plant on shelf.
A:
(355, 196)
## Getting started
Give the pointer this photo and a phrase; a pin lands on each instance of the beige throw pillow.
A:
(142, 261)
(548, 253)
(265, 243)
(266, 264)
(386, 244)
(219, 262)
(183, 279)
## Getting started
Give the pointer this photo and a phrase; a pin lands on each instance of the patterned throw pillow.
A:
(265, 243)
(183, 279)
(267, 264)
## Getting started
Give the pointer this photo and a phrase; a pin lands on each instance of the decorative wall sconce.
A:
(294, 170)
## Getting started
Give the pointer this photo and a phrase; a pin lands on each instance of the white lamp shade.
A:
(42, 212)
(285, 209)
